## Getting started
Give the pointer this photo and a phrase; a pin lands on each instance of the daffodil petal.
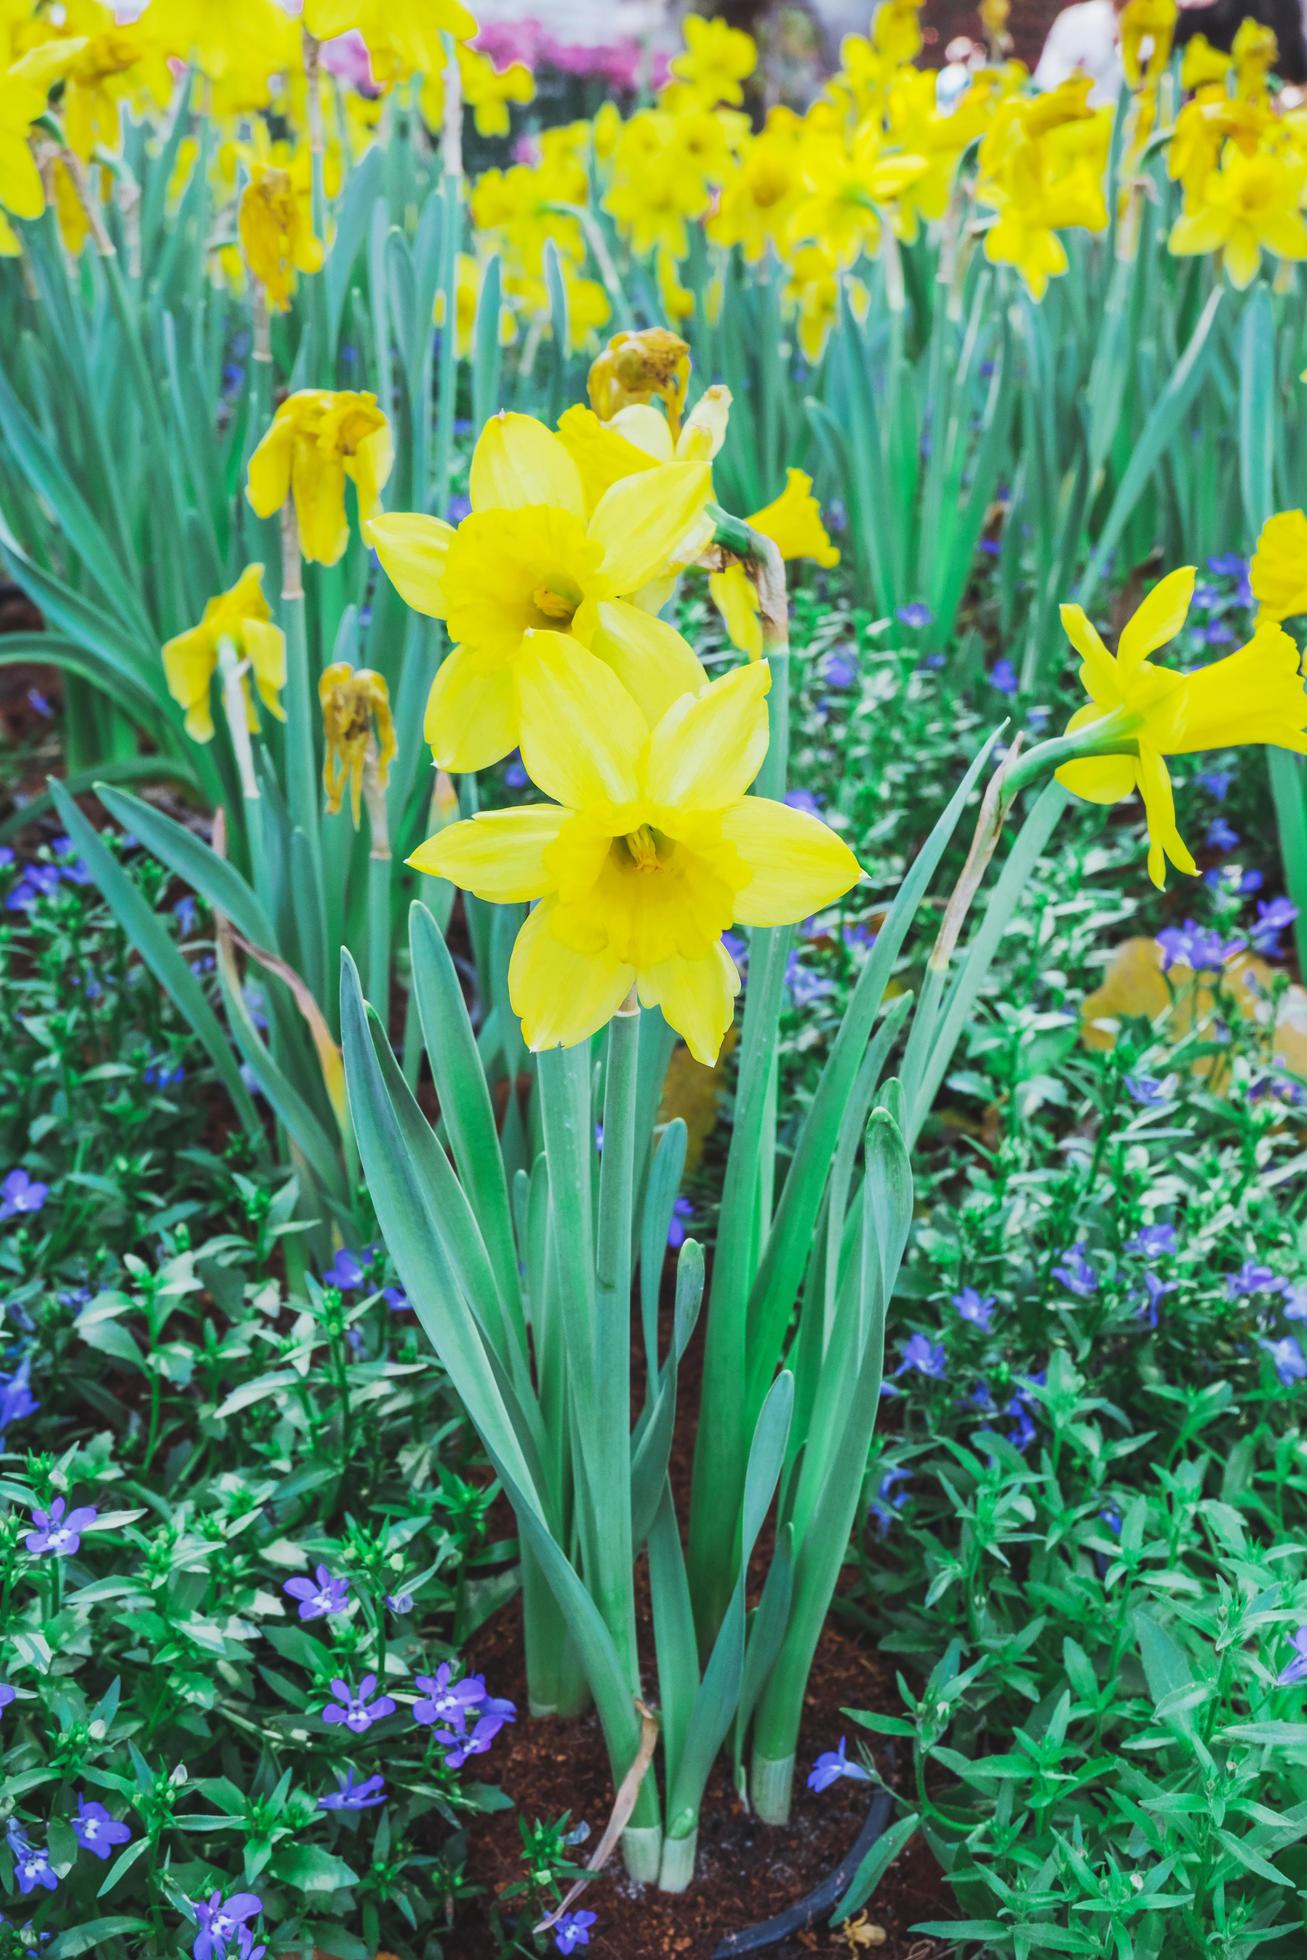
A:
(697, 998)
(1100, 778)
(647, 654)
(499, 854)
(642, 519)
(1164, 840)
(1158, 618)
(734, 595)
(471, 718)
(581, 731)
(798, 863)
(269, 475)
(413, 549)
(518, 462)
(560, 995)
(708, 748)
(1098, 673)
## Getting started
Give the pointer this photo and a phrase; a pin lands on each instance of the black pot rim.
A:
(796, 1918)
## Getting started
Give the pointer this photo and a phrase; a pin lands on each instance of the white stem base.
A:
(771, 1783)
(677, 1868)
(642, 1849)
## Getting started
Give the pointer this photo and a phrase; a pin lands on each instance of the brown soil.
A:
(746, 1872)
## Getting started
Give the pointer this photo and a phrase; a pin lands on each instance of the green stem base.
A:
(642, 1849)
(677, 1867)
(771, 1782)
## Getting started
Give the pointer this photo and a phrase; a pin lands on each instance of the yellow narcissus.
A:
(411, 28)
(1250, 205)
(243, 618)
(23, 91)
(317, 440)
(535, 554)
(793, 522)
(650, 850)
(1278, 573)
(1253, 696)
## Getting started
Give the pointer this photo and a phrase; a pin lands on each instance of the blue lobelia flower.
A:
(444, 1699)
(834, 1764)
(1296, 1669)
(346, 1271)
(927, 1357)
(355, 1796)
(458, 1747)
(221, 1925)
(1154, 1242)
(679, 1223)
(1003, 675)
(1076, 1272)
(32, 1868)
(16, 1399)
(58, 1530)
(573, 1930)
(21, 1195)
(7, 1694)
(1288, 1357)
(319, 1596)
(358, 1711)
(1254, 1277)
(976, 1307)
(95, 1830)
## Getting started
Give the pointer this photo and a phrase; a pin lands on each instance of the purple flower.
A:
(803, 799)
(95, 1830)
(838, 669)
(515, 775)
(37, 702)
(458, 1746)
(21, 1194)
(1228, 564)
(355, 1796)
(573, 1930)
(915, 615)
(976, 1307)
(186, 913)
(1274, 916)
(219, 1921)
(926, 1356)
(888, 1500)
(1217, 633)
(400, 1602)
(16, 1399)
(396, 1299)
(1155, 1291)
(320, 1595)
(1200, 947)
(346, 1271)
(7, 1694)
(457, 509)
(32, 1867)
(679, 1223)
(1288, 1357)
(1295, 1303)
(1003, 675)
(833, 1764)
(804, 985)
(1296, 1669)
(737, 947)
(1253, 1277)
(446, 1700)
(1222, 835)
(1216, 782)
(58, 1531)
(1023, 1431)
(1148, 1090)
(1154, 1242)
(357, 1711)
(160, 1076)
(1076, 1273)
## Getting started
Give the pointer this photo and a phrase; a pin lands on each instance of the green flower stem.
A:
(379, 869)
(451, 226)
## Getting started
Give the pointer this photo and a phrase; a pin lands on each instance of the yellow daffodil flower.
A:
(238, 47)
(793, 522)
(812, 291)
(648, 852)
(847, 186)
(1278, 573)
(24, 88)
(318, 439)
(716, 61)
(411, 28)
(357, 727)
(760, 191)
(487, 91)
(656, 189)
(276, 234)
(1202, 65)
(1147, 29)
(1253, 696)
(1253, 52)
(242, 618)
(534, 554)
(1250, 205)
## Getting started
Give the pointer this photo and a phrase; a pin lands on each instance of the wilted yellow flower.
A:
(243, 619)
(534, 554)
(357, 728)
(653, 364)
(276, 233)
(1250, 205)
(1254, 696)
(793, 522)
(1278, 573)
(649, 852)
(318, 439)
